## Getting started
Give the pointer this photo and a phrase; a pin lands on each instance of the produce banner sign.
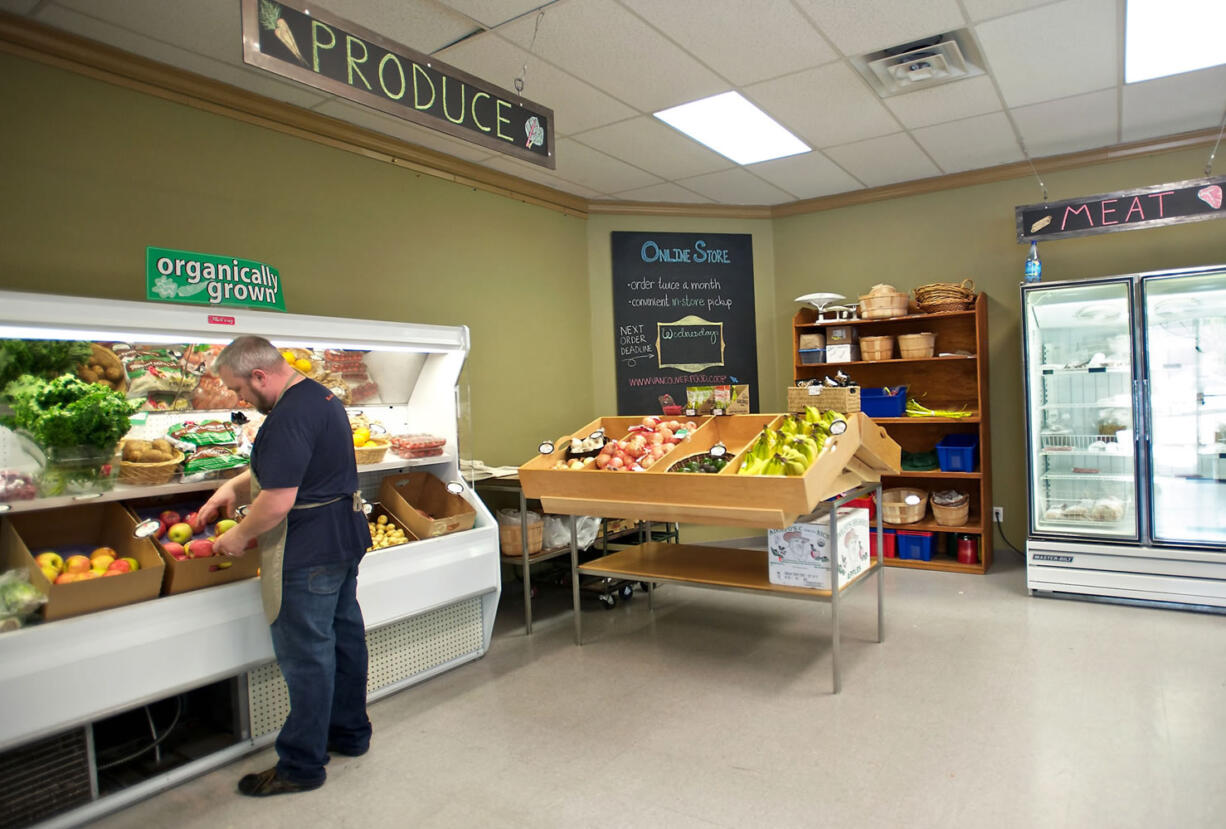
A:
(683, 316)
(1156, 206)
(324, 51)
(205, 279)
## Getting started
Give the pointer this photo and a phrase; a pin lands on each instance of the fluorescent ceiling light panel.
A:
(734, 128)
(1166, 37)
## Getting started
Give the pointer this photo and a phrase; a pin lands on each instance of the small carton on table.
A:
(78, 531)
(423, 504)
(799, 556)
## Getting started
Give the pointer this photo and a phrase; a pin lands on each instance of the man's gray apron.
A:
(272, 544)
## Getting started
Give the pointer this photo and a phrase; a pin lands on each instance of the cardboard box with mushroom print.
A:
(799, 556)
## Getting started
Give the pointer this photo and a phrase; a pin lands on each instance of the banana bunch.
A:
(793, 447)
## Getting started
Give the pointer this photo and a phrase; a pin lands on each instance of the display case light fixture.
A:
(26, 332)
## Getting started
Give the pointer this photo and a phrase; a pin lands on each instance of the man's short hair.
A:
(247, 353)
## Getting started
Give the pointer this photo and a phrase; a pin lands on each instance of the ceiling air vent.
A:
(920, 64)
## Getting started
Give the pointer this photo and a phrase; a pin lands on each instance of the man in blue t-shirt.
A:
(303, 489)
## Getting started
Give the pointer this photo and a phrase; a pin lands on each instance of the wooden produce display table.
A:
(851, 467)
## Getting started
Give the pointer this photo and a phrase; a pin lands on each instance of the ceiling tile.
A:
(745, 41)
(664, 194)
(531, 172)
(656, 147)
(948, 102)
(806, 176)
(233, 72)
(423, 25)
(493, 12)
(404, 130)
(594, 169)
(860, 27)
(576, 105)
(1070, 124)
(620, 54)
(1054, 51)
(1179, 103)
(987, 9)
(972, 143)
(886, 160)
(825, 106)
(735, 187)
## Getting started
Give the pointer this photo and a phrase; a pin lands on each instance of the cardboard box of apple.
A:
(184, 537)
(100, 563)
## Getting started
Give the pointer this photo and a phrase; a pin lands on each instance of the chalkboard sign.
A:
(1155, 206)
(690, 344)
(683, 314)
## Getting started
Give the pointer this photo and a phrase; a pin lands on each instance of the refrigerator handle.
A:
(1140, 393)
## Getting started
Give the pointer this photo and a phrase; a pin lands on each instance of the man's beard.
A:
(263, 403)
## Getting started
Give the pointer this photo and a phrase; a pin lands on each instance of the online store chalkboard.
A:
(683, 315)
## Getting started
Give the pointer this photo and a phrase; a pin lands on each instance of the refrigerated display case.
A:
(1126, 432)
(429, 605)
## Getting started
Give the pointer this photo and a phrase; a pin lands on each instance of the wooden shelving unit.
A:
(948, 382)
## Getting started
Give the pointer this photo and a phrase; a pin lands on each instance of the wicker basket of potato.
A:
(103, 367)
(148, 462)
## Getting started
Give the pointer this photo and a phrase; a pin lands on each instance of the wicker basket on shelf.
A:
(945, 296)
(874, 349)
(914, 346)
(952, 516)
(149, 474)
(372, 451)
(895, 508)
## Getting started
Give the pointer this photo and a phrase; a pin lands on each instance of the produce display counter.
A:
(850, 467)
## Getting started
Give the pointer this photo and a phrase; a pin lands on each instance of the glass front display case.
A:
(1079, 380)
(1185, 336)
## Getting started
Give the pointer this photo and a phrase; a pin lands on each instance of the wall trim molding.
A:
(44, 44)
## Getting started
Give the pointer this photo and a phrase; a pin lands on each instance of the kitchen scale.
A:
(826, 309)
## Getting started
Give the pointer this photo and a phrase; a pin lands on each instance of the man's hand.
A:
(221, 503)
(233, 542)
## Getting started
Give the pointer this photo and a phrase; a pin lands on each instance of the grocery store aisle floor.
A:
(983, 707)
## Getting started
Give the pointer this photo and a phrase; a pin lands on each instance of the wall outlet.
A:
(998, 514)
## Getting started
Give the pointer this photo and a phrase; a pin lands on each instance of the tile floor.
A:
(983, 707)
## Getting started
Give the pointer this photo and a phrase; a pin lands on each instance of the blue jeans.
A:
(320, 642)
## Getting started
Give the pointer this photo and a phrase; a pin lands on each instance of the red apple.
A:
(194, 521)
(120, 566)
(66, 578)
(169, 517)
(113, 572)
(76, 564)
(103, 551)
(200, 548)
(173, 548)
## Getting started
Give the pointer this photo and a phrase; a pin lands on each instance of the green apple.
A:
(225, 524)
(50, 559)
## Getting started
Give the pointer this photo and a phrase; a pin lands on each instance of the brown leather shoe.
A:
(265, 783)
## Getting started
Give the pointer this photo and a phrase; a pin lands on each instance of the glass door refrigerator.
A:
(1125, 382)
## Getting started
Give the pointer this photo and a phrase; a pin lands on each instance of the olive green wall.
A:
(94, 173)
(970, 233)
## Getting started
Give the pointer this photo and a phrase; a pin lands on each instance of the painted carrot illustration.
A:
(271, 19)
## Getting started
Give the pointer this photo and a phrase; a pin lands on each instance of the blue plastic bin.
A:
(914, 544)
(958, 453)
(812, 356)
(876, 403)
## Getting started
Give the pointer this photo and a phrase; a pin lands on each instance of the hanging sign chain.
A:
(1034, 170)
(1213, 152)
(523, 73)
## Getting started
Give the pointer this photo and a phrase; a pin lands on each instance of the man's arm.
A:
(265, 512)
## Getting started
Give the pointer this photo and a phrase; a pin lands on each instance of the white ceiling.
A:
(1054, 81)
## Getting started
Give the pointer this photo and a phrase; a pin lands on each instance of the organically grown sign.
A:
(1155, 206)
(322, 50)
(205, 279)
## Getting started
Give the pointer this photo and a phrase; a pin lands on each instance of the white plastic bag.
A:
(557, 530)
(508, 517)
